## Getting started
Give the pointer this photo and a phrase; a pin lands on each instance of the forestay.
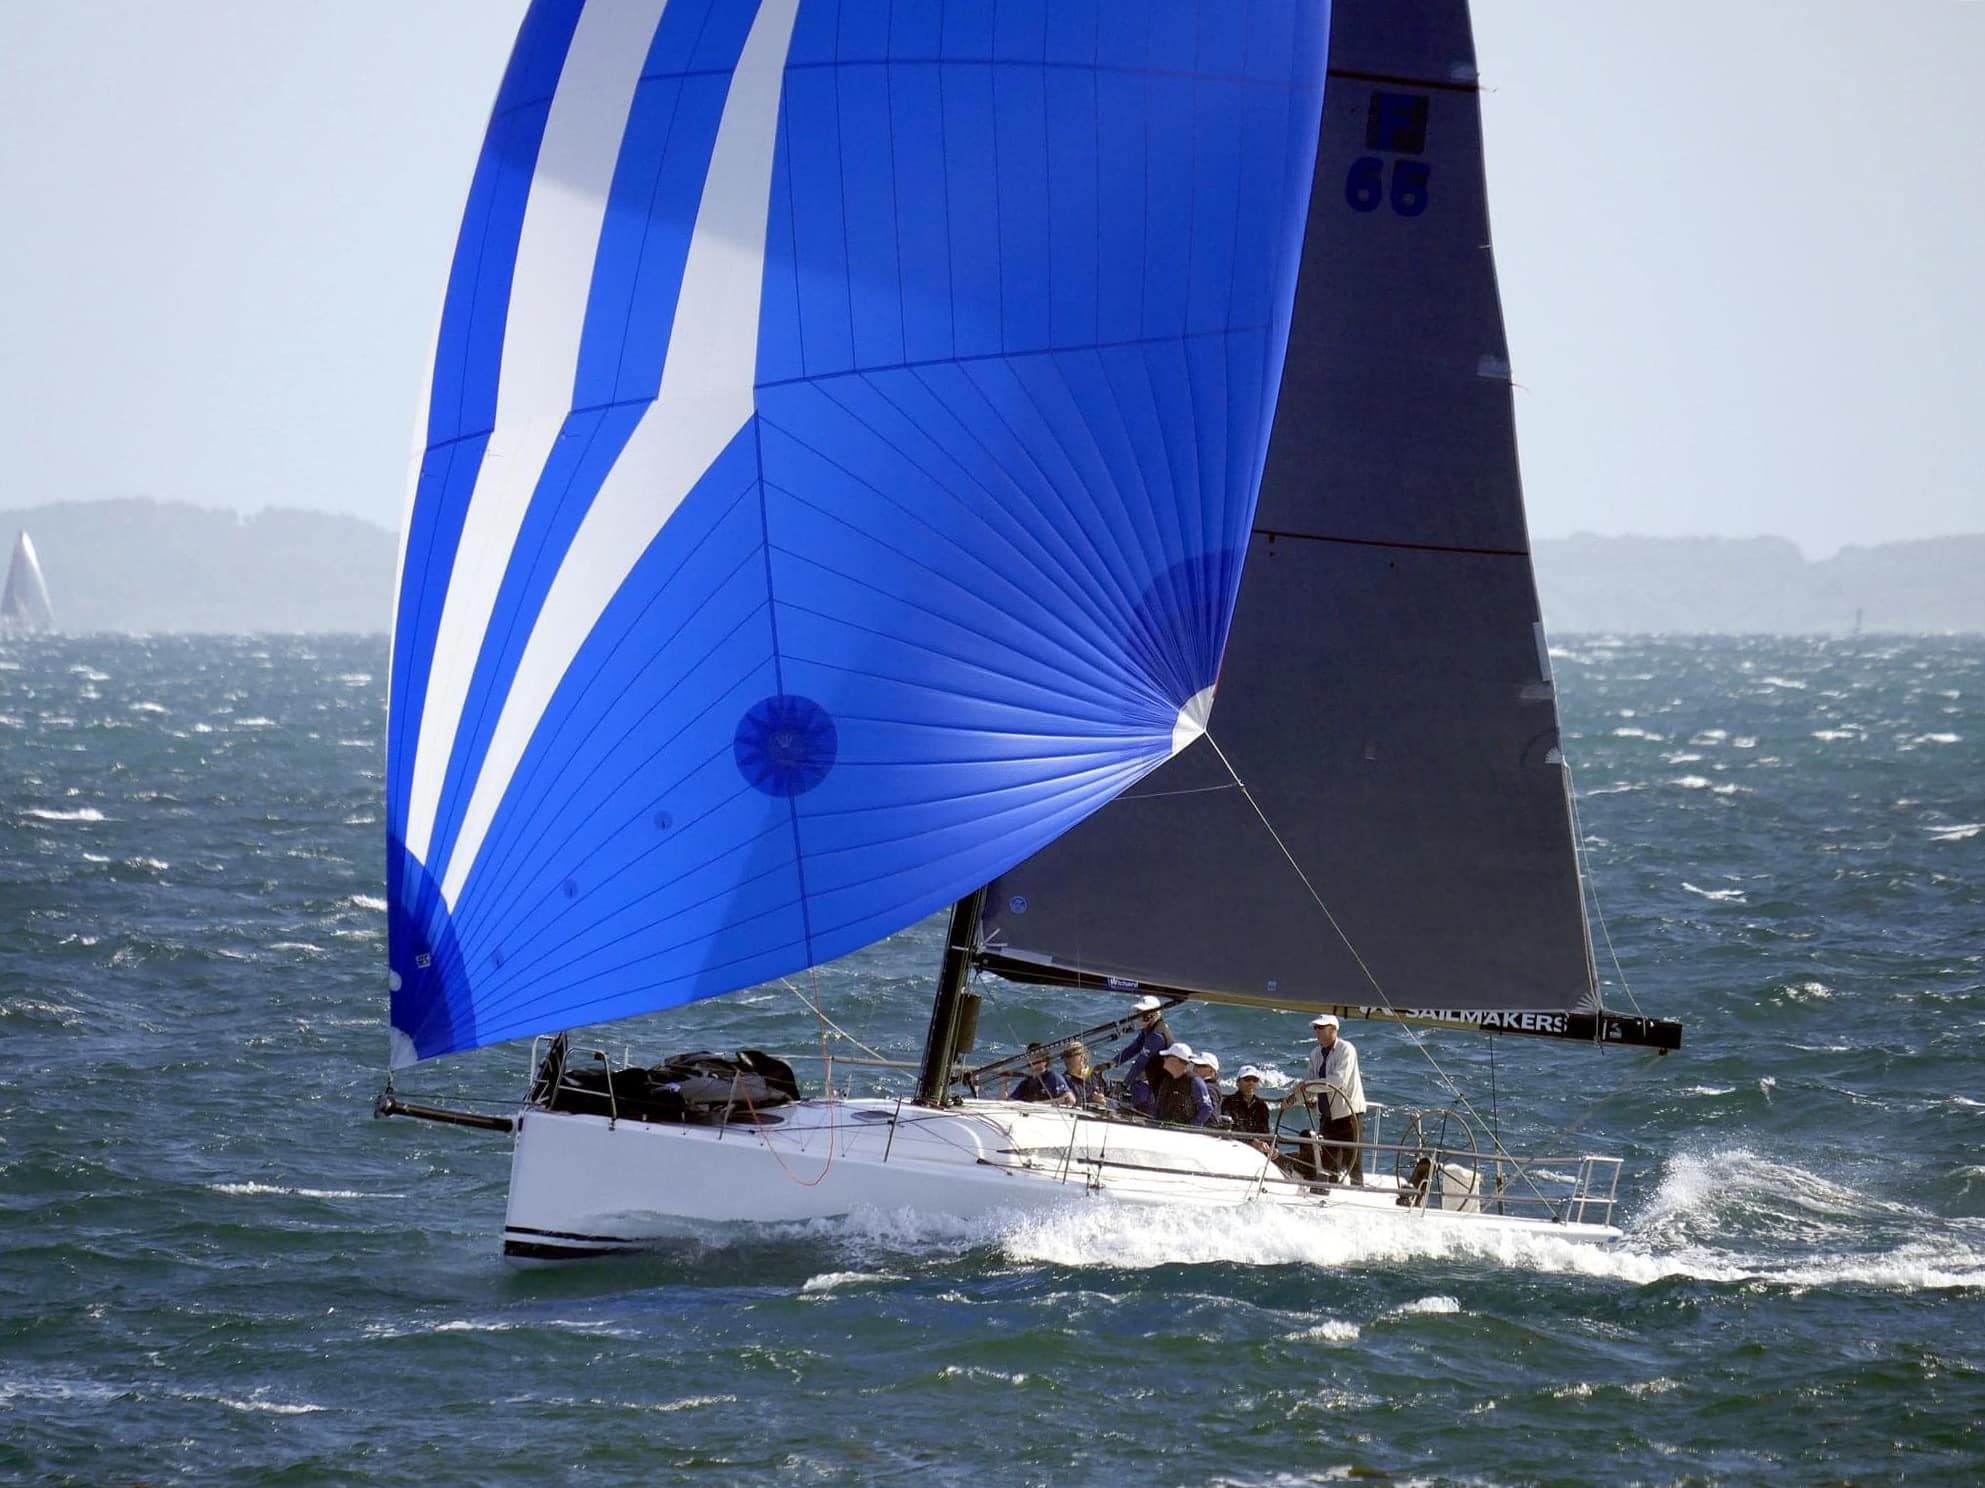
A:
(1387, 694)
(845, 429)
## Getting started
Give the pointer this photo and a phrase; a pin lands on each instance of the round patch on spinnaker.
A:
(785, 744)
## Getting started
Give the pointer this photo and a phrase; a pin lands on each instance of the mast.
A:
(941, 1044)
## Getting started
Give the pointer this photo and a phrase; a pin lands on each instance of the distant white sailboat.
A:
(774, 578)
(24, 606)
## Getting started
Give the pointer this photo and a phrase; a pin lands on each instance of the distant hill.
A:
(142, 565)
(1759, 585)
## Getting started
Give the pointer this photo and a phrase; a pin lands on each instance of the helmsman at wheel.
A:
(1334, 1063)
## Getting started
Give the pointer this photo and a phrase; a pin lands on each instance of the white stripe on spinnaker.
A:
(556, 247)
(705, 398)
(416, 462)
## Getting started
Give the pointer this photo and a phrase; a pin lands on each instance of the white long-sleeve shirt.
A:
(1338, 1065)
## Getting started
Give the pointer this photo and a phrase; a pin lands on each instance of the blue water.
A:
(216, 1268)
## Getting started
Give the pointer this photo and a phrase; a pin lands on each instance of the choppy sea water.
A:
(216, 1268)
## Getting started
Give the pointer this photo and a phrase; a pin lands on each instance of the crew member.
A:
(1041, 1083)
(1334, 1068)
(1086, 1086)
(1138, 1059)
(1180, 1095)
(1245, 1107)
(1207, 1067)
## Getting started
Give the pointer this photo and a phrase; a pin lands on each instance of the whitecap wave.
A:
(829, 1281)
(1438, 1306)
(251, 1189)
(254, 1403)
(80, 814)
(980, 1372)
(44, 1388)
(1721, 896)
(1331, 1330)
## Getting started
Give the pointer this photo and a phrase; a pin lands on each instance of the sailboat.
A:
(862, 443)
(24, 606)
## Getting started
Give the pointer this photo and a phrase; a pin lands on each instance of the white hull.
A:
(582, 1185)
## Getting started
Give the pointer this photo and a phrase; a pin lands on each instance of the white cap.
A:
(1176, 1051)
(1328, 1020)
(1146, 1005)
(1248, 1072)
(1212, 1061)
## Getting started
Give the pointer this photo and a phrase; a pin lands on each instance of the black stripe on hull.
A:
(523, 1243)
(539, 1250)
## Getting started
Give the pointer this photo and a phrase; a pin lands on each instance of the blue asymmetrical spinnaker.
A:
(844, 432)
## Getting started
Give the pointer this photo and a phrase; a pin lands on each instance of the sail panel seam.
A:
(1442, 85)
(1276, 534)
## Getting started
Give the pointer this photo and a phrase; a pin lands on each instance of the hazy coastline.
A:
(137, 565)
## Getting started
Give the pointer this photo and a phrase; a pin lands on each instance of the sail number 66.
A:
(1364, 187)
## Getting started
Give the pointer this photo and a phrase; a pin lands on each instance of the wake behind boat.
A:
(854, 456)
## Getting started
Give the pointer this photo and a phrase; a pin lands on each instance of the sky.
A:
(1739, 245)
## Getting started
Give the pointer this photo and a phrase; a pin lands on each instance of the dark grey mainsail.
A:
(1386, 694)
(24, 606)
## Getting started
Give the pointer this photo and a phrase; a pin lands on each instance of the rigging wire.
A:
(1591, 884)
(1460, 1099)
(820, 1013)
(1632, 1074)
